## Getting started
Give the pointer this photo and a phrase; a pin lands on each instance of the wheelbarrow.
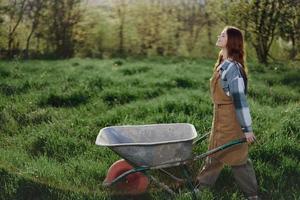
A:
(152, 147)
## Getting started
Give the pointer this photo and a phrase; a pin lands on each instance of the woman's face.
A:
(222, 39)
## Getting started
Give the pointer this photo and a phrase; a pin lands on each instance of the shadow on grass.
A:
(179, 82)
(136, 70)
(185, 83)
(4, 73)
(9, 90)
(14, 186)
(56, 147)
(269, 96)
(72, 100)
(145, 196)
(291, 78)
(112, 98)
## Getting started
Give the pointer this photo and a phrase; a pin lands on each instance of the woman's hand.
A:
(250, 137)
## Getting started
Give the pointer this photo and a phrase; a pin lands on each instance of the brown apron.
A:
(225, 126)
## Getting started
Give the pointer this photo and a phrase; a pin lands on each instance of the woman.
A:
(232, 118)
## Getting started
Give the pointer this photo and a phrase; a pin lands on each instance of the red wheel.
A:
(134, 184)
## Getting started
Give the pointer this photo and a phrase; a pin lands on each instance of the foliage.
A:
(122, 28)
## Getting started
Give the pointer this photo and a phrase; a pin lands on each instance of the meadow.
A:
(52, 111)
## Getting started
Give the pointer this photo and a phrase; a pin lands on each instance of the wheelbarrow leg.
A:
(190, 184)
(162, 185)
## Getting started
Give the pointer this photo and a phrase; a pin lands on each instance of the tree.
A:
(33, 14)
(15, 12)
(192, 16)
(289, 26)
(63, 16)
(259, 19)
(149, 26)
(121, 10)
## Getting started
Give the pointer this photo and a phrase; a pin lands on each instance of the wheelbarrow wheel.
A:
(133, 184)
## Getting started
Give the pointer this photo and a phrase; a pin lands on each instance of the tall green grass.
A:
(52, 111)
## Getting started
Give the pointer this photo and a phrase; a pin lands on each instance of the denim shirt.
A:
(233, 85)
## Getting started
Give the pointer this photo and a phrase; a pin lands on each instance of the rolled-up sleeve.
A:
(236, 88)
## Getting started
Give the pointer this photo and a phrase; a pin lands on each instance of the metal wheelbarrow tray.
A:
(150, 145)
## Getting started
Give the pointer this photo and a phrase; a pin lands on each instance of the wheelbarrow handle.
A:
(200, 138)
(222, 147)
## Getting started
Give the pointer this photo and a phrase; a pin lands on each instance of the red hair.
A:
(235, 48)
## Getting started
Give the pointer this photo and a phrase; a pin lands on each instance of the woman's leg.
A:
(246, 179)
(209, 173)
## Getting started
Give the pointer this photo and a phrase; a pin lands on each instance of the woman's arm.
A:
(236, 89)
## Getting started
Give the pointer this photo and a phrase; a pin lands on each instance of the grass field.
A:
(52, 111)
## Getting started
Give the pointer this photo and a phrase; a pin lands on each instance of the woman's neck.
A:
(225, 54)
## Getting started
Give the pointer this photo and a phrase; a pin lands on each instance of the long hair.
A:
(235, 49)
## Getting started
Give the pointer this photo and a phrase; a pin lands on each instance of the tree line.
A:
(68, 28)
